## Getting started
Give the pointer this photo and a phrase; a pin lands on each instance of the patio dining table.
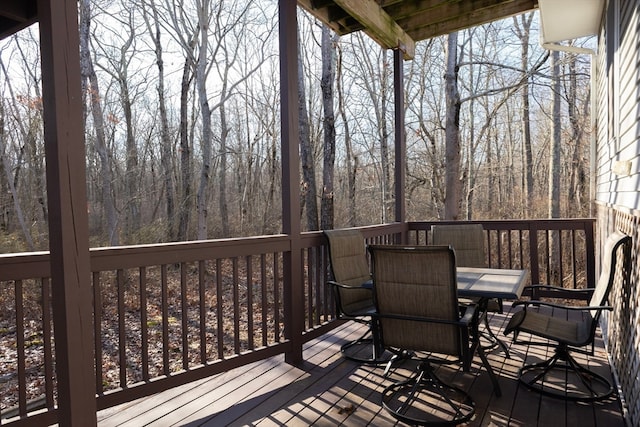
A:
(485, 284)
(489, 283)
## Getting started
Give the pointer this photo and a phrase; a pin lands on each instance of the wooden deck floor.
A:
(330, 391)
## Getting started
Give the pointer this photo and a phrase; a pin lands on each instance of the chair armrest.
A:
(562, 306)
(365, 285)
(469, 314)
(534, 288)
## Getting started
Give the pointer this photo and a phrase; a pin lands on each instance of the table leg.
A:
(488, 334)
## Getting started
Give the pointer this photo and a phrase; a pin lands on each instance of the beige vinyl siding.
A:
(619, 138)
(617, 196)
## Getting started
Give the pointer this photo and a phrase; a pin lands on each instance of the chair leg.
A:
(365, 349)
(561, 376)
(425, 400)
(397, 357)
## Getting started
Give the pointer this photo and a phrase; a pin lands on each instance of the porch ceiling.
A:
(392, 23)
(400, 23)
(16, 15)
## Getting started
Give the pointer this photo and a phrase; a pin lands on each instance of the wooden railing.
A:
(169, 314)
(557, 252)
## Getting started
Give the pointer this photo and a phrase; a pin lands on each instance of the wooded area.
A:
(182, 125)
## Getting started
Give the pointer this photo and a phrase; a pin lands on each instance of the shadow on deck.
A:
(329, 390)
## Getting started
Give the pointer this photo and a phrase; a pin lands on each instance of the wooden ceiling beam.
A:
(379, 25)
(16, 15)
(18, 10)
(328, 14)
(457, 16)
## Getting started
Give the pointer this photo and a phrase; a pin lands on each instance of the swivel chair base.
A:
(563, 377)
(425, 400)
(363, 350)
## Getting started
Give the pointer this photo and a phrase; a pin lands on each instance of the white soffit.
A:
(569, 19)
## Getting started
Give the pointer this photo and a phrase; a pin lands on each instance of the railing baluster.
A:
(510, 247)
(184, 308)
(276, 297)
(561, 257)
(122, 336)
(249, 261)
(500, 237)
(265, 299)
(144, 325)
(166, 368)
(521, 243)
(306, 259)
(573, 259)
(48, 339)
(20, 342)
(97, 327)
(202, 303)
(236, 307)
(534, 256)
(219, 309)
(323, 274)
(314, 278)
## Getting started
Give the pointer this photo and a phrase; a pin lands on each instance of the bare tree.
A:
(308, 202)
(556, 138)
(554, 167)
(11, 182)
(118, 61)
(452, 131)
(91, 89)
(522, 28)
(202, 197)
(351, 160)
(326, 83)
(577, 173)
(152, 21)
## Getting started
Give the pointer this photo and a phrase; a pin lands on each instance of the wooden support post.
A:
(292, 274)
(67, 202)
(400, 136)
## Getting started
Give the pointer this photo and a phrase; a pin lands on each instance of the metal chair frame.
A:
(567, 335)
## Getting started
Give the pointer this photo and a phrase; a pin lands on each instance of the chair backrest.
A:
(349, 266)
(467, 241)
(419, 282)
(615, 258)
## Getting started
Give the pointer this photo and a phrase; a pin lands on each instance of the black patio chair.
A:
(415, 290)
(561, 375)
(468, 242)
(352, 289)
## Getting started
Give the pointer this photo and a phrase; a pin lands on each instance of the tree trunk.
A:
(90, 87)
(326, 83)
(186, 189)
(554, 170)
(165, 139)
(309, 191)
(387, 197)
(351, 160)
(132, 173)
(12, 182)
(523, 34)
(202, 198)
(577, 173)
(452, 132)
(556, 137)
(222, 175)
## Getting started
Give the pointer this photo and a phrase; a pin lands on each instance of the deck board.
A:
(328, 390)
